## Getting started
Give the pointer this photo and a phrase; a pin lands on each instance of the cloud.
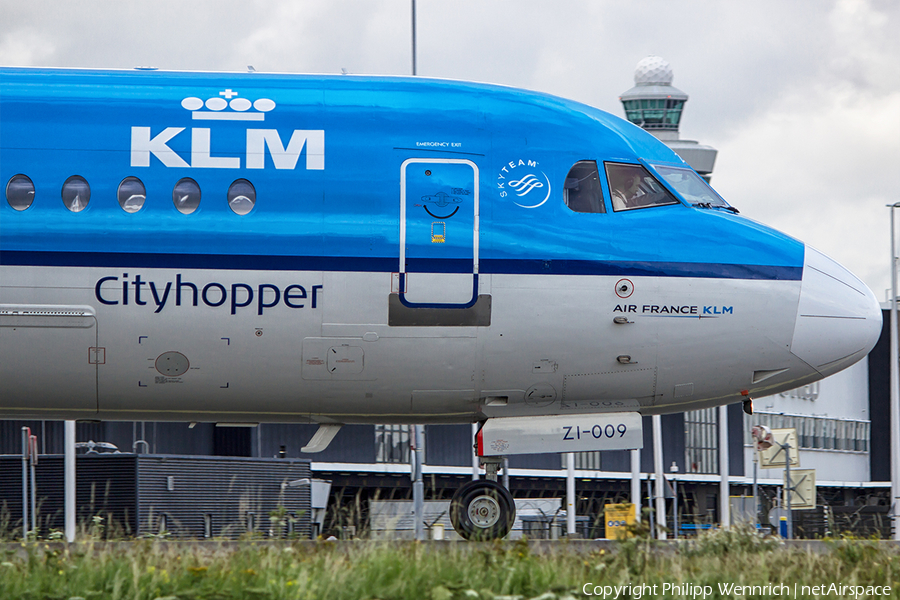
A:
(25, 47)
(819, 161)
(371, 37)
(866, 44)
(821, 168)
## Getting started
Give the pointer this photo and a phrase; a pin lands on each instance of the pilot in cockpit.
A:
(626, 189)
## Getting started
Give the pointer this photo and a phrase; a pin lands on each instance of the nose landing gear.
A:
(483, 510)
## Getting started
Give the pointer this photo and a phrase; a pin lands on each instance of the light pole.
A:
(895, 388)
(724, 469)
(660, 478)
(418, 431)
(788, 488)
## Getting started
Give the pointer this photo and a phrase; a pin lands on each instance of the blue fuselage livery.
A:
(343, 249)
(325, 163)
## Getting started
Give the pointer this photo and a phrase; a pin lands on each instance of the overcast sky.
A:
(801, 98)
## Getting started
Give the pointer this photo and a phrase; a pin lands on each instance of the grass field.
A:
(348, 570)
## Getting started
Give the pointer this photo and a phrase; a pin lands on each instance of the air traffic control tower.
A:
(656, 105)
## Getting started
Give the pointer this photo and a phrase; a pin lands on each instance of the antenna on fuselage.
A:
(414, 38)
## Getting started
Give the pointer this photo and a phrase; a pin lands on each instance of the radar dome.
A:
(653, 70)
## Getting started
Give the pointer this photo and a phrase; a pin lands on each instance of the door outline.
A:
(475, 232)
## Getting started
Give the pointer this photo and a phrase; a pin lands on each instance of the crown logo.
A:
(240, 107)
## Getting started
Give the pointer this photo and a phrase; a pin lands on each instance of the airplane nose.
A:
(838, 318)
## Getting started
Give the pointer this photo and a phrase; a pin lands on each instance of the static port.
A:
(172, 364)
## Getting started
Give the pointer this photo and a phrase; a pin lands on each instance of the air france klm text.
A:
(675, 310)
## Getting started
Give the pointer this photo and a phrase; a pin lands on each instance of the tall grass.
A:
(349, 570)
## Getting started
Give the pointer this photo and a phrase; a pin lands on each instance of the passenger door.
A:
(438, 232)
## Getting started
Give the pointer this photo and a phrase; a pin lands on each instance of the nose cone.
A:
(838, 319)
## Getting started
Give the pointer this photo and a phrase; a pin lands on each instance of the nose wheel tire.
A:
(482, 510)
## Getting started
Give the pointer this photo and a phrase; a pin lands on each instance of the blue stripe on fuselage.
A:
(382, 264)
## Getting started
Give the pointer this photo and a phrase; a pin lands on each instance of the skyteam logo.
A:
(229, 105)
(528, 185)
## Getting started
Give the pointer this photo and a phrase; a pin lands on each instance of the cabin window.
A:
(76, 193)
(392, 443)
(241, 197)
(690, 186)
(20, 192)
(131, 194)
(582, 189)
(186, 196)
(632, 186)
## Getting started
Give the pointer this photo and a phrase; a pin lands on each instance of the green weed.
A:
(150, 569)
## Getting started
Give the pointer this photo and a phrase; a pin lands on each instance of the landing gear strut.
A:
(484, 509)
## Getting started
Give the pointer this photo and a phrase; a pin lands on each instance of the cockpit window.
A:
(691, 186)
(582, 189)
(632, 186)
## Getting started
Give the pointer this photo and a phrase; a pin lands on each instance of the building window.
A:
(701, 440)
(654, 113)
(587, 461)
(392, 443)
(207, 525)
(815, 433)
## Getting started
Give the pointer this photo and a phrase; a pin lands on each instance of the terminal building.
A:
(842, 426)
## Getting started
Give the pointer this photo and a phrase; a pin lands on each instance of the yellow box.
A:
(618, 517)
